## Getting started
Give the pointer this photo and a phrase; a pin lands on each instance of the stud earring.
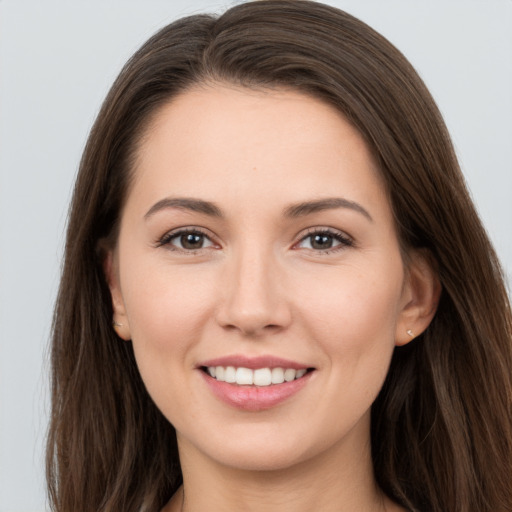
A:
(115, 324)
(410, 333)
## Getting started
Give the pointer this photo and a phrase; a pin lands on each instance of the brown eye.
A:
(191, 241)
(186, 241)
(321, 241)
(324, 241)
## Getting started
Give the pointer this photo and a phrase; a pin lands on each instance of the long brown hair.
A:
(442, 424)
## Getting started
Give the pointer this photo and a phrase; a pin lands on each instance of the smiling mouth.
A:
(260, 377)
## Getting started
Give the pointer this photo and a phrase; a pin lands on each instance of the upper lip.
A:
(264, 361)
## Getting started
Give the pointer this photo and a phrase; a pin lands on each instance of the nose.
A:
(254, 296)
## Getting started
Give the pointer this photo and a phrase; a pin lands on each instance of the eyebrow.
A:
(309, 207)
(184, 203)
(301, 209)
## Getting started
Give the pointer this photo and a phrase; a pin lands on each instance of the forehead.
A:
(228, 142)
(248, 118)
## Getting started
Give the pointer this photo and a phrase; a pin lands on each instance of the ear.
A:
(420, 297)
(120, 320)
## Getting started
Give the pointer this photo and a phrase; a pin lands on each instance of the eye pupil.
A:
(320, 241)
(191, 241)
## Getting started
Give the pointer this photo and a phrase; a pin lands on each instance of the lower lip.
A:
(255, 398)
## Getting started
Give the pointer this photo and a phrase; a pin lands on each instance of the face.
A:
(257, 244)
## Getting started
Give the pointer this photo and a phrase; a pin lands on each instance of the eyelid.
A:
(164, 240)
(341, 236)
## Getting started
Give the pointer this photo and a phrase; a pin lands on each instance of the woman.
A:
(276, 290)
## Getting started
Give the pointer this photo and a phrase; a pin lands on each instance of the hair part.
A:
(442, 424)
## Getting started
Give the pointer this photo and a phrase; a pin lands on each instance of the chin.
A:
(260, 448)
(261, 460)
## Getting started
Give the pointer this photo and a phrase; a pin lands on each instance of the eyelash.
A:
(166, 240)
(344, 240)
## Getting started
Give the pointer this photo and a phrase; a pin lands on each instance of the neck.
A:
(337, 480)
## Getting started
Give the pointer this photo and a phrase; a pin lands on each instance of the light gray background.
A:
(57, 60)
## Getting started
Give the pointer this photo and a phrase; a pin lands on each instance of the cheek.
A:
(353, 319)
(167, 308)
(352, 302)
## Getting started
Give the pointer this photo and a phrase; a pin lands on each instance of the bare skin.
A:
(257, 226)
(304, 488)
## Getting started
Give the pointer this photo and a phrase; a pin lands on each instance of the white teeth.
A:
(300, 373)
(259, 377)
(262, 377)
(277, 375)
(230, 374)
(244, 376)
(289, 374)
(219, 372)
